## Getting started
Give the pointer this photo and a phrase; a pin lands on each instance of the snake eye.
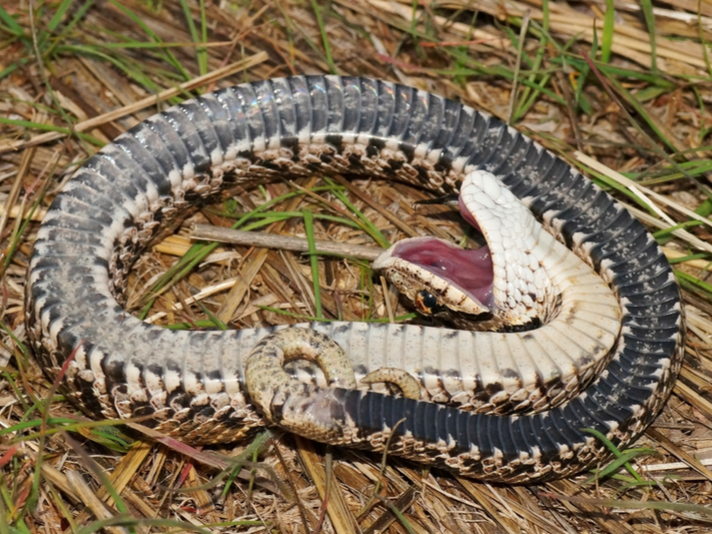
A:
(425, 302)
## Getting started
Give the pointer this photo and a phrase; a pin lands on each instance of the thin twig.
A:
(207, 232)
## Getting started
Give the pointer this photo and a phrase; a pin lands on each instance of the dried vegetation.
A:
(607, 84)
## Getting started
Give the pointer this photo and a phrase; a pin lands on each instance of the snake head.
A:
(436, 275)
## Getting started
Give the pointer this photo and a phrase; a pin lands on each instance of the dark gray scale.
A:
(236, 120)
(98, 210)
(430, 129)
(252, 112)
(649, 290)
(208, 136)
(571, 194)
(593, 205)
(455, 429)
(569, 422)
(603, 410)
(103, 170)
(74, 230)
(369, 106)
(612, 383)
(651, 283)
(640, 360)
(87, 188)
(463, 131)
(319, 104)
(569, 211)
(371, 412)
(509, 442)
(335, 111)
(140, 162)
(551, 203)
(637, 368)
(591, 222)
(618, 243)
(218, 114)
(385, 114)
(448, 128)
(649, 333)
(497, 147)
(423, 426)
(404, 100)
(530, 431)
(512, 157)
(669, 320)
(493, 133)
(286, 113)
(666, 314)
(483, 430)
(181, 120)
(524, 181)
(542, 202)
(269, 111)
(419, 109)
(651, 264)
(177, 149)
(518, 166)
(148, 146)
(351, 88)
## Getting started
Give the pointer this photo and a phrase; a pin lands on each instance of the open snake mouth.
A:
(470, 271)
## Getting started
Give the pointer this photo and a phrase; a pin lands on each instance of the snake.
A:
(487, 409)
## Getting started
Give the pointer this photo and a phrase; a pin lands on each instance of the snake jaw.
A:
(414, 274)
(505, 279)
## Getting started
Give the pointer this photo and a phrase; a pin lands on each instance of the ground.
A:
(620, 90)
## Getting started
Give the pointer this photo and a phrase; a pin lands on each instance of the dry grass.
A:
(76, 73)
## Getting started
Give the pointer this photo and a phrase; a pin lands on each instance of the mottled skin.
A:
(191, 384)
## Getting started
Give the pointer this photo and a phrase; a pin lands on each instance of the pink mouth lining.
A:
(469, 270)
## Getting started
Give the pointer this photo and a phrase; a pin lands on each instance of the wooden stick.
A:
(207, 232)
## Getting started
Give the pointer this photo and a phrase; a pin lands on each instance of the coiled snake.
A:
(192, 383)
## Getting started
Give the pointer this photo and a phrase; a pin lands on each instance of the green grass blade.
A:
(687, 281)
(58, 15)
(314, 261)
(647, 7)
(524, 100)
(52, 128)
(368, 226)
(324, 37)
(608, 28)
(213, 318)
(201, 56)
(78, 16)
(168, 56)
(12, 25)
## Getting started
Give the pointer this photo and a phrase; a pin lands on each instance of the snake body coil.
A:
(152, 177)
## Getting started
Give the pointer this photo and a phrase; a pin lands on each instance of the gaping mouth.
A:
(469, 270)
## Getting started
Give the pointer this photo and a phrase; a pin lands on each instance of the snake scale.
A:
(149, 179)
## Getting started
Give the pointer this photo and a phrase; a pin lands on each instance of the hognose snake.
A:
(149, 179)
